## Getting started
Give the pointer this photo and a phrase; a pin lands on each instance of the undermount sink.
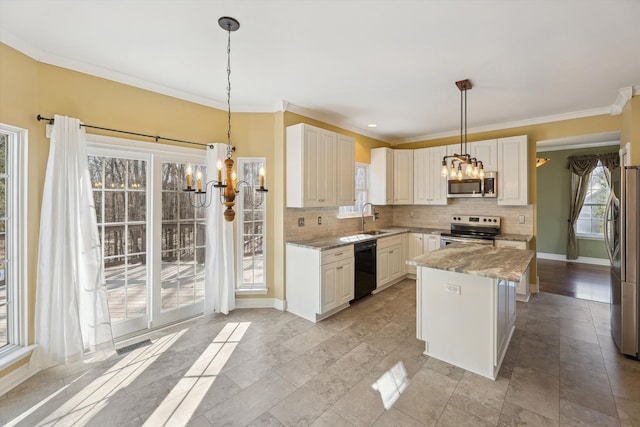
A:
(374, 232)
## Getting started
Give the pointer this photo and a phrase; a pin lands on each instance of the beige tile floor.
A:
(263, 367)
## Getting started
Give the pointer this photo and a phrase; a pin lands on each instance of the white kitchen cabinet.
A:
(522, 288)
(403, 177)
(346, 170)
(429, 186)
(389, 261)
(512, 171)
(381, 176)
(487, 152)
(320, 167)
(337, 284)
(419, 244)
(319, 283)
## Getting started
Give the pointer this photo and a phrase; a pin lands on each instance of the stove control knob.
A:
(495, 220)
(484, 219)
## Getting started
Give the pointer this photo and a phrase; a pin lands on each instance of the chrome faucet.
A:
(374, 213)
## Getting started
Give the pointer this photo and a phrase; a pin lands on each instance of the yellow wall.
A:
(631, 128)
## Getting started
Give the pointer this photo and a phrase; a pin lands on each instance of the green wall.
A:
(553, 194)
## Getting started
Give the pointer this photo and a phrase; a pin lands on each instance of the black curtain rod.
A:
(157, 138)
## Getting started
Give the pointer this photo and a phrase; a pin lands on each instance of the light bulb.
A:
(459, 172)
(481, 173)
(445, 171)
(469, 169)
(453, 171)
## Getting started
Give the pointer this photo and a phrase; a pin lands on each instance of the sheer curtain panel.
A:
(72, 314)
(219, 285)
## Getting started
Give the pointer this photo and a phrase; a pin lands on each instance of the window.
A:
(590, 223)
(120, 197)
(251, 228)
(13, 275)
(153, 239)
(362, 194)
(183, 239)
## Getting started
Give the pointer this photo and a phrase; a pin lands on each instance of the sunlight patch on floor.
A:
(83, 406)
(181, 403)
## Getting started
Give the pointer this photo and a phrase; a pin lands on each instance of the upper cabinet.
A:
(487, 152)
(381, 176)
(346, 170)
(512, 171)
(403, 177)
(429, 187)
(391, 177)
(312, 167)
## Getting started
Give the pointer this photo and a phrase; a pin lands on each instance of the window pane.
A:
(3, 238)
(3, 197)
(137, 174)
(137, 237)
(95, 171)
(3, 154)
(114, 240)
(169, 236)
(169, 206)
(114, 204)
(186, 209)
(97, 201)
(137, 206)
(115, 173)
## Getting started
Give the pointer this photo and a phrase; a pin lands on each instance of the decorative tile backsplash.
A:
(407, 216)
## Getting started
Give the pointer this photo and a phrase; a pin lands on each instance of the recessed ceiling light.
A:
(372, 125)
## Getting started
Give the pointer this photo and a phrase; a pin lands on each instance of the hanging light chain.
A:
(229, 149)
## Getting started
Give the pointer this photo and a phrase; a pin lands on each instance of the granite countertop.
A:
(331, 242)
(515, 237)
(478, 260)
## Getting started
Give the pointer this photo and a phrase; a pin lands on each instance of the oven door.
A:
(448, 240)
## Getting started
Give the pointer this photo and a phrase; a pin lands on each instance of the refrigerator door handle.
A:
(607, 227)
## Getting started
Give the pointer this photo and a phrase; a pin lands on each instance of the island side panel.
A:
(303, 281)
(457, 319)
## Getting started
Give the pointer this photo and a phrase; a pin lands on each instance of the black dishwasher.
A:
(365, 271)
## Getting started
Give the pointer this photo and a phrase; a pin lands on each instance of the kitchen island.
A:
(466, 303)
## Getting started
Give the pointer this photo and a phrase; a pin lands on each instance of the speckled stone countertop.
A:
(478, 260)
(515, 237)
(325, 243)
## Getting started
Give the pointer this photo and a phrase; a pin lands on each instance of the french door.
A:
(153, 239)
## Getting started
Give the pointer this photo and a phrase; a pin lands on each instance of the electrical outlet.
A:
(411, 214)
(301, 222)
(521, 219)
(319, 220)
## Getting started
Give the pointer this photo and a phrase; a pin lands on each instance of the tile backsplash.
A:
(407, 216)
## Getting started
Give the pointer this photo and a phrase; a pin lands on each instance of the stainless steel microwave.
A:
(473, 187)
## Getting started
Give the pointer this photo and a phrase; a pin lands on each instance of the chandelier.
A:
(228, 188)
(472, 166)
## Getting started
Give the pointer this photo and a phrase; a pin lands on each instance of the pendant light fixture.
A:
(472, 166)
(228, 188)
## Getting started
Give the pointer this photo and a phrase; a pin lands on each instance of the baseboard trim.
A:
(278, 304)
(16, 377)
(581, 259)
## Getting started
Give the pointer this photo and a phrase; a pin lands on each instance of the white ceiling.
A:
(390, 62)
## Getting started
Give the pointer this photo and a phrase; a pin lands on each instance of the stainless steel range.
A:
(476, 230)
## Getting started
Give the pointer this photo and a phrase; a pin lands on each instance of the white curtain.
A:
(219, 277)
(72, 314)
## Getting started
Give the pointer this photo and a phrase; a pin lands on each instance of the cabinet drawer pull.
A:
(340, 268)
(338, 254)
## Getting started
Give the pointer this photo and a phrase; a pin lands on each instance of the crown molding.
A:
(329, 119)
(508, 125)
(624, 95)
(600, 139)
(93, 70)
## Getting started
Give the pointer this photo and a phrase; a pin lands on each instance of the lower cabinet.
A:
(319, 283)
(420, 244)
(390, 262)
(522, 290)
(336, 284)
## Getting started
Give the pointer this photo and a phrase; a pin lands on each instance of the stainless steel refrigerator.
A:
(621, 238)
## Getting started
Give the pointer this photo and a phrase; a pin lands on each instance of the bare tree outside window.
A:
(183, 239)
(120, 197)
